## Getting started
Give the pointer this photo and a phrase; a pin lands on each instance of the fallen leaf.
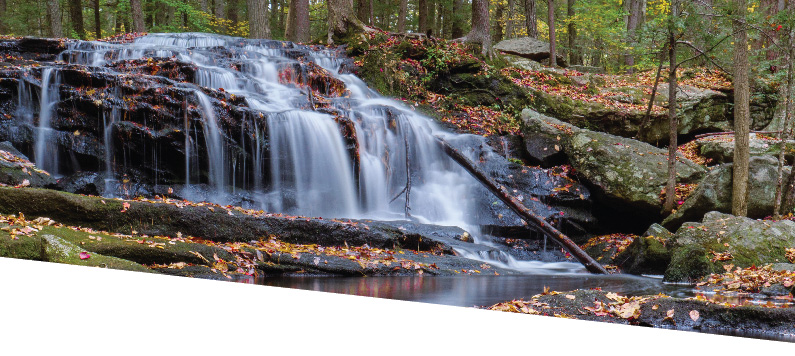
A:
(570, 296)
(84, 255)
(694, 315)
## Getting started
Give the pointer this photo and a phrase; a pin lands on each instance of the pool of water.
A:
(469, 291)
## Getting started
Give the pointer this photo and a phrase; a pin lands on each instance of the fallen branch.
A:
(531, 218)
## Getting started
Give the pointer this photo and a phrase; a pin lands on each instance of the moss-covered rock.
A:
(647, 254)
(626, 171)
(16, 169)
(699, 249)
(545, 138)
(714, 192)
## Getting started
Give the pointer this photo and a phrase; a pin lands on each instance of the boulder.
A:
(626, 173)
(588, 69)
(722, 150)
(529, 48)
(544, 137)
(714, 192)
(647, 254)
(742, 242)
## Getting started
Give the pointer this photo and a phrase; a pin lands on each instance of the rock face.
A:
(714, 192)
(530, 48)
(743, 241)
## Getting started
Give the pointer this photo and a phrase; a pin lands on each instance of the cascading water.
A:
(292, 158)
(45, 151)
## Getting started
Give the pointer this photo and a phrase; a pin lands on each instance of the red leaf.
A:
(84, 255)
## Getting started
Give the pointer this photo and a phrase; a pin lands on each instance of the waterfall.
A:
(45, 146)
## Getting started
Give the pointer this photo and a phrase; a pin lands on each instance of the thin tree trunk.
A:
(499, 11)
(551, 23)
(204, 5)
(258, 26)
(3, 14)
(787, 131)
(456, 29)
(530, 18)
(651, 99)
(76, 15)
(509, 28)
(742, 120)
(422, 9)
(634, 17)
(54, 15)
(531, 218)
(575, 57)
(137, 16)
(97, 20)
(431, 16)
(673, 120)
(402, 14)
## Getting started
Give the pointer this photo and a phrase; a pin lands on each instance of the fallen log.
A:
(531, 218)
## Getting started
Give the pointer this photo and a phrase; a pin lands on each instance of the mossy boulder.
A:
(50, 246)
(714, 192)
(626, 172)
(647, 254)
(699, 249)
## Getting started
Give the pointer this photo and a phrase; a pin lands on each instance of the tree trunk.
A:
(232, 11)
(509, 31)
(97, 20)
(673, 120)
(298, 21)
(3, 14)
(456, 30)
(404, 4)
(54, 15)
(551, 23)
(204, 5)
(532, 219)
(742, 117)
(363, 11)
(342, 19)
(431, 17)
(218, 9)
(137, 16)
(785, 128)
(634, 17)
(480, 26)
(76, 15)
(258, 26)
(302, 21)
(574, 52)
(499, 12)
(422, 16)
(530, 18)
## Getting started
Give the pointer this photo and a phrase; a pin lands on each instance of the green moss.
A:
(689, 263)
(23, 247)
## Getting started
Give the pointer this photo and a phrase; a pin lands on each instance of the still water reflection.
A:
(468, 291)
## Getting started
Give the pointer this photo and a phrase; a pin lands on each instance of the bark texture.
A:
(742, 115)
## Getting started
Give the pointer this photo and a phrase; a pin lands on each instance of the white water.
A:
(301, 164)
(45, 150)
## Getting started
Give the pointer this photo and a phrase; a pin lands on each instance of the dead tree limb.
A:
(651, 99)
(531, 218)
